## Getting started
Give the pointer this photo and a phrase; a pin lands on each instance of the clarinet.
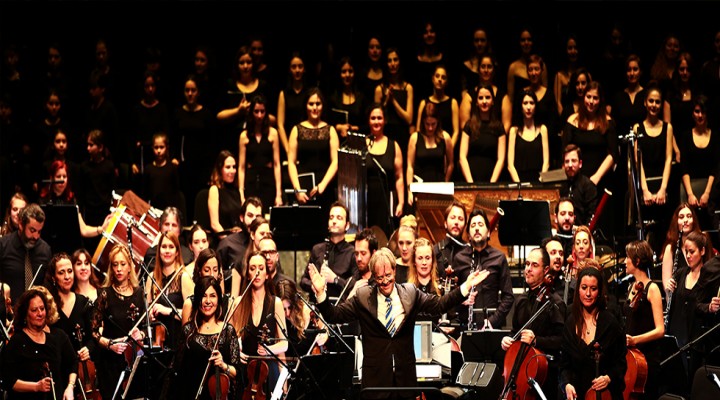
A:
(471, 312)
(668, 293)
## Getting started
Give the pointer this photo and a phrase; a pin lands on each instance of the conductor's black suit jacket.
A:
(388, 361)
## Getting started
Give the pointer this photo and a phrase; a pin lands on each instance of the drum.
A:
(144, 230)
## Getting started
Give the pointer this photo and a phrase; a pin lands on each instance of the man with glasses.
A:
(268, 248)
(335, 257)
(545, 332)
(387, 312)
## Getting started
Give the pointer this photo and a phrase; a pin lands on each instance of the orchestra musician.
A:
(643, 313)
(553, 246)
(565, 220)
(495, 291)
(589, 323)
(119, 306)
(366, 245)
(85, 282)
(388, 355)
(582, 251)
(695, 300)
(686, 221)
(37, 362)
(258, 229)
(168, 262)
(335, 256)
(300, 320)
(545, 332)
(452, 252)
(171, 220)
(207, 264)
(258, 316)
(406, 236)
(74, 310)
(206, 339)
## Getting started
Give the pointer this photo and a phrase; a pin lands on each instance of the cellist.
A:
(643, 312)
(545, 332)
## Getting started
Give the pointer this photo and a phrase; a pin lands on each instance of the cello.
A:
(637, 367)
(591, 393)
(523, 361)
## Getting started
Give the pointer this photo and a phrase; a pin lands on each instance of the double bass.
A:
(523, 361)
(637, 367)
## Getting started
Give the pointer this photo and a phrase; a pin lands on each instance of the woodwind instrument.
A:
(599, 210)
(669, 293)
(495, 219)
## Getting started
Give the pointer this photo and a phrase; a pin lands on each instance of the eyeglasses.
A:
(268, 253)
(386, 277)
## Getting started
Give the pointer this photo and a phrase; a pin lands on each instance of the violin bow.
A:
(231, 311)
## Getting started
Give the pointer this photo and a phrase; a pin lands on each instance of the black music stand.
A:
(525, 222)
(62, 228)
(330, 371)
(298, 228)
(147, 375)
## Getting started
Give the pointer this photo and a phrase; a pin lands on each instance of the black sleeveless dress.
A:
(638, 321)
(429, 163)
(313, 155)
(381, 185)
(259, 174)
(482, 150)
(528, 158)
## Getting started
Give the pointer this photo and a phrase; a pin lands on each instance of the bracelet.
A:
(97, 230)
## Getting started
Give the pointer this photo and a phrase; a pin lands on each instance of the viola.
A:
(316, 348)
(591, 393)
(86, 374)
(159, 335)
(257, 372)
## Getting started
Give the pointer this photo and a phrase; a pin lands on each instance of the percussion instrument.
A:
(145, 233)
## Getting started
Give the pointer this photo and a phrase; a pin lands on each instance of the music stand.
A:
(483, 346)
(525, 222)
(329, 370)
(62, 228)
(147, 375)
(298, 227)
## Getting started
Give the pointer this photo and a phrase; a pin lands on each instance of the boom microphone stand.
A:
(327, 325)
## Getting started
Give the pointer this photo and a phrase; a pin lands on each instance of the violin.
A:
(159, 335)
(132, 349)
(86, 373)
(218, 384)
(257, 372)
(316, 348)
(591, 393)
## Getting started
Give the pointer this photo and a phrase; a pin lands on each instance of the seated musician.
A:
(366, 245)
(553, 246)
(170, 221)
(545, 332)
(565, 220)
(335, 256)
(590, 323)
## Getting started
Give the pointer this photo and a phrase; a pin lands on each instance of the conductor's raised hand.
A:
(477, 277)
(318, 281)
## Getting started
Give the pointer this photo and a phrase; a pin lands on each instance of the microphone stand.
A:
(690, 344)
(327, 325)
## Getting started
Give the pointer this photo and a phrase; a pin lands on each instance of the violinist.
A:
(545, 332)
(201, 333)
(589, 323)
(207, 264)
(581, 253)
(74, 310)
(643, 312)
(256, 318)
(300, 321)
(37, 360)
(119, 306)
(685, 221)
(85, 282)
(169, 260)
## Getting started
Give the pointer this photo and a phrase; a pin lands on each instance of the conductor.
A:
(386, 313)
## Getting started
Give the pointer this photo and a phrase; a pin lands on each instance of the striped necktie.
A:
(389, 317)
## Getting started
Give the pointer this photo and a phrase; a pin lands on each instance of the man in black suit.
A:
(386, 313)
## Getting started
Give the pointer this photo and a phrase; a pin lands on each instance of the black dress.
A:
(162, 186)
(395, 127)
(193, 354)
(595, 147)
(482, 150)
(313, 156)
(116, 315)
(652, 150)
(528, 157)
(627, 113)
(380, 188)
(429, 162)
(170, 322)
(252, 337)
(639, 320)
(78, 325)
(24, 359)
(356, 112)
(259, 172)
(232, 129)
(229, 206)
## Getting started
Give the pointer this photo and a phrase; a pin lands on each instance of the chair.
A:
(704, 386)
(201, 215)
